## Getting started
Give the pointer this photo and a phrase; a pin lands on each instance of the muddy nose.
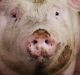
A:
(41, 43)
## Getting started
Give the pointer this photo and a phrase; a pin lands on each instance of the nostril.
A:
(47, 41)
(34, 41)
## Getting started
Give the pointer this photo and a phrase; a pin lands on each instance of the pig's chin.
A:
(39, 59)
(42, 60)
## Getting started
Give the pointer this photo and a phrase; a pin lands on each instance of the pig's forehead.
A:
(29, 4)
(41, 3)
(40, 6)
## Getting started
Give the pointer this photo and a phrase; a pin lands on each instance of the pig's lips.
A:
(38, 57)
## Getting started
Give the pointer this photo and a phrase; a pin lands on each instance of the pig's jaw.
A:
(45, 60)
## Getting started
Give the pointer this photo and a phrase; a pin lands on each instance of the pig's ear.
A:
(75, 4)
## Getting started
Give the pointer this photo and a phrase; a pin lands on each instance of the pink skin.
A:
(75, 3)
(39, 45)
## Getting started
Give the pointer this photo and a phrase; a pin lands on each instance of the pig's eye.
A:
(14, 16)
(57, 13)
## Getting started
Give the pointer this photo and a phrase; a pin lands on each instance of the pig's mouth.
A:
(38, 59)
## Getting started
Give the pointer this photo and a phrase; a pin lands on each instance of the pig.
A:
(39, 37)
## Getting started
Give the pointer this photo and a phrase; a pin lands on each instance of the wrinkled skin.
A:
(19, 22)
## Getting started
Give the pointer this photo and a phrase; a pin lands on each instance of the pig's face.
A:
(38, 31)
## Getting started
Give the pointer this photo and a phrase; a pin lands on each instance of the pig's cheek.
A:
(22, 43)
(3, 22)
(19, 43)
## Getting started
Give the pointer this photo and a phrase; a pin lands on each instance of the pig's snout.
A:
(40, 43)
